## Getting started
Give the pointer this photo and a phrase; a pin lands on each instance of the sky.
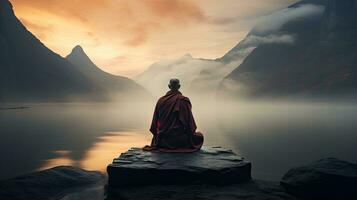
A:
(124, 37)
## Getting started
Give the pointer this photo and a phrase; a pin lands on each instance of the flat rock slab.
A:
(328, 178)
(214, 165)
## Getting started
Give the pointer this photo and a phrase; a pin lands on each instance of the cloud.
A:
(114, 60)
(246, 46)
(176, 10)
(275, 21)
(222, 20)
(254, 41)
(42, 30)
(133, 20)
(139, 38)
(198, 76)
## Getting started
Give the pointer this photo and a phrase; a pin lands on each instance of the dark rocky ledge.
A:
(328, 178)
(52, 183)
(251, 190)
(214, 165)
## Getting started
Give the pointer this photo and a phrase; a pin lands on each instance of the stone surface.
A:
(49, 184)
(209, 165)
(251, 190)
(324, 179)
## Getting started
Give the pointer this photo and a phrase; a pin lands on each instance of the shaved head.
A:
(174, 84)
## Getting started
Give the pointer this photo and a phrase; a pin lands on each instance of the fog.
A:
(274, 135)
(201, 78)
(196, 75)
(275, 21)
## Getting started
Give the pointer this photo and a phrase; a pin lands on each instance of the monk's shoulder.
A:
(186, 99)
(159, 101)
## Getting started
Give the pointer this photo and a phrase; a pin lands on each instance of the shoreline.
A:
(15, 108)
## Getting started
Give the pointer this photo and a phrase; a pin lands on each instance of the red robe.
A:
(173, 126)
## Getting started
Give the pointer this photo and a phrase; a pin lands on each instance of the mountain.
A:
(320, 59)
(29, 71)
(340, 21)
(257, 36)
(117, 86)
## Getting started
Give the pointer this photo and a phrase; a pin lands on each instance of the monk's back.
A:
(170, 109)
(173, 125)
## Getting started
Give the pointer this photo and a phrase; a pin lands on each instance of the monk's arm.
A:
(186, 116)
(154, 123)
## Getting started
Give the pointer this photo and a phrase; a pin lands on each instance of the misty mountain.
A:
(319, 58)
(258, 36)
(29, 71)
(204, 76)
(121, 87)
(198, 76)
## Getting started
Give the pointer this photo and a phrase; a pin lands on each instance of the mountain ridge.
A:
(23, 49)
(81, 61)
(311, 66)
(31, 72)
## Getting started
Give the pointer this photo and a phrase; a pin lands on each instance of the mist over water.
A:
(275, 136)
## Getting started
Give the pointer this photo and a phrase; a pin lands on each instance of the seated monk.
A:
(173, 126)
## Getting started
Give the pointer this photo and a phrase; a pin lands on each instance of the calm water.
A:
(274, 136)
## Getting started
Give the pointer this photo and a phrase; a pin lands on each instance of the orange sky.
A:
(125, 36)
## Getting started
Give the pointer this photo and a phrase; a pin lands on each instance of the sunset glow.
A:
(125, 37)
(102, 152)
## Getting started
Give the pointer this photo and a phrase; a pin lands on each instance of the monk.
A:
(173, 126)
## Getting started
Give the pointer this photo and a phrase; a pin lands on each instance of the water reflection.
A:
(60, 133)
(106, 147)
(63, 158)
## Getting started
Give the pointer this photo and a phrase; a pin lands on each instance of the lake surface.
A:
(273, 136)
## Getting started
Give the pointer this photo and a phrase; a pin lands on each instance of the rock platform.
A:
(214, 165)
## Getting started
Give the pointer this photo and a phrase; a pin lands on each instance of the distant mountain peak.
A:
(78, 55)
(78, 50)
(81, 61)
(187, 55)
